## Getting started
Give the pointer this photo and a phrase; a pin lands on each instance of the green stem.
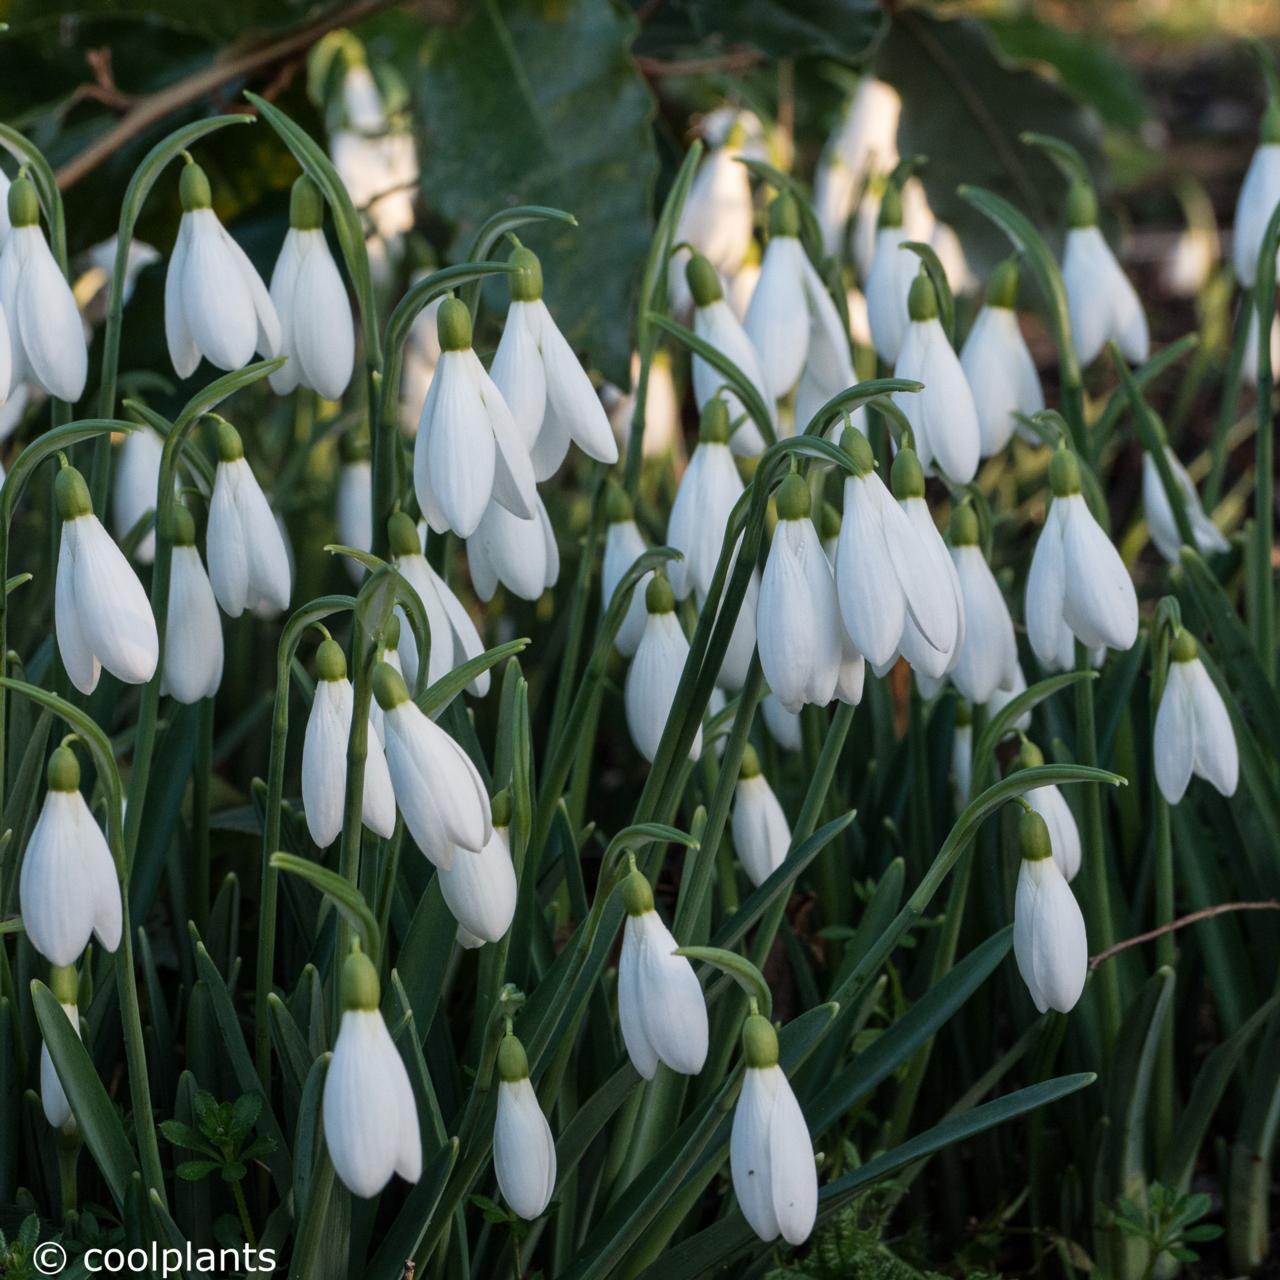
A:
(135, 1052)
(1228, 398)
(200, 787)
(1262, 579)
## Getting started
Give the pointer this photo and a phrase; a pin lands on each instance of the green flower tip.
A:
(759, 1042)
(704, 284)
(513, 1063)
(1030, 756)
(617, 506)
(1064, 474)
(230, 446)
(907, 476)
(1033, 837)
(306, 205)
(830, 522)
(784, 216)
(1185, 648)
(360, 986)
(858, 447)
(391, 632)
(1002, 291)
(388, 686)
(964, 526)
(658, 596)
(64, 984)
(193, 189)
(500, 807)
(1082, 205)
(714, 425)
(402, 535)
(182, 526)
(526, 279)
(24, 204)
(964, 714)
(453, 325)
(331, 662)
(71, 495)
(353, 446)
(922, 301)
(793, 498)
(891, 206)
(64, 770)
(750, 766)
(637, 896)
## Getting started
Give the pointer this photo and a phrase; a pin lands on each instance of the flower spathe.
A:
(1160, 517)
(193, 650)
(654, 674)
(761, 833)
(524, 1152)
(480, 888)
(1049, 940)
(1193, 732)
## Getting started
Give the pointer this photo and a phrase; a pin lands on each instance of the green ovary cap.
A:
(526, 279)
(759, 1042)
(793, 498)
(1033, 837)
(360, 986)
(858, 447)
(617, 506)
(182, 526)
(922, 301)
(750, 766)
(391, 632)
(513, 1064)
(891, 207)
(71, 495)
(306, 206)
(830, 522)
(704, 284)
(1030, 756)
(453, 325)
(658, 596)
(714, 426)
(907, 476)
(402, 536)
(193, 189)
(500, 808)
(1082, 206)
(1064, 474)
(64, 984)
(24, 204)
(230, 446)
(331, 662)
(637, 896)
(64, 770)
(388, 686)
(1185, 648)
(964, 526)
(1002, 291)
(784, 216)
(964, 714)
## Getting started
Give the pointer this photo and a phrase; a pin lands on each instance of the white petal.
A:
(514, 482)
(266, 323)
(761, 834)
(671, 1002)
(323, 335)
(324, 760)
(1046, 592)
(524, 1152)
(1259, 195)
(1100, 604)
(217, 304)
(989, 650)
(942, 414)
(570, 395)
(623, 545)
(284, 279)
(872, 604)
(517, 371)
(513, 550)
(888, 284)
(78, 658)
(183, 351)
(136, 486)
(777, 321)
(1001, 374)
(1216, 755)
(750, 1151)
(57, 1110)
(455, 447)
(1064, 835)
(193, 651)
(47, 320)
(793, 1174)
(480, 888)
(651, 683)
(635, 1033)
(717, 325)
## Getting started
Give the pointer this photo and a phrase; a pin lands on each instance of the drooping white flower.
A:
(1193, 732)
(68, 890)
(193, 634)
(1049, 940)
(548, 391)
(889, 280)
(443, 800)
(41, 337)
(1160, 518)
(317, 333)
(988, 656)
(998, 366)
(655, 670)
(783, 725)
(480, 888)
(266, 607)
(926, 658)
(354, 507)
(524, 1152)
(1078, 585)
(53, 1098)
(770, 1151)
(386, 649)
(1186, 266)
(522, 555)
(1051, 805)
(135, 488)
(248, 560)
(102, 616)
(623, 546)
(215, 304)
(761, 833)
(1259, 195)
(468, 450)
(662, 430)
(418, 365)
(370, 1116)
(92, 288)
(661, 1008)
(5, 226)
(324, 757)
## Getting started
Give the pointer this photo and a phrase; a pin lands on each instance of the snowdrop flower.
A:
(418, 365)
(1186, 267)
(355, 499)
(997, 365)
(761, 833)
(661, 1009)
(1259, 195)
(522, 555)
(655, 671)
(715, 323)
(68, 890)
(547, 390)
(92, 288)
(135, 488)
(193, 634)
(43, 340)
(793, 323)
(1049, 940)
(742, 640)
(623, 546)
(440, 794)
(248, 560)
(370, 1116)
(783, 725)
(53, 1098)
(524, 1152)
(468, 449)
(1102, 303)
(386, 649)
(1193, 732)
(770, 1152)
(324, 757)
(893, 269)
(962, 753)
(709, 489)
(1160, 518)
(944, 419)
(1078, 585)
(1049, 803)
(317, 333)
(988, 656)
(102, 616)
(480, 888)
(215, 304)
(662, 429)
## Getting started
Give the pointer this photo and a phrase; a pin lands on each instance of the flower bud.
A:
(922, 301)
(193, 189)
(759, 1042)
(1064, 473)
(360, 986)
(704, 283)
(388, 686)
(526, 280)
(1033, 837)
(71, 495)
(907, 476)
(24, 204)
(453, 325)
(714, 425)
(784, 216)
(306, 206)
(793, 500)
(658, 596)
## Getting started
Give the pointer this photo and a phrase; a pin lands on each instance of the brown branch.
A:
(153, 108)
(734, 60)
(1222, 908)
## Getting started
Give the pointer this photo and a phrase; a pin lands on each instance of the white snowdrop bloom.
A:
(480, 888)
(547, 390)
(889, 280)
(1193, 732)
(662, 428)
(215, 304)
(370, 1116)
(1051, 805)
(988, 655)
(761, 833)
(317, 332)
(522, 555)
(962, 754)
(266, 607)
(943, 417)
(102, 616)
(709, 489)
(853, 667)
(41, 337)
(468, 450)
(193, 634)
(1259, 195)
(654, 673)
(68, 890)
(715, 323)
(623, 546)
(53, 1098)
(1249, 365)
(354, 505)
(14, 409)
(1160, 519)
(135, 488)
(661, 1008)
(1049, 940)
(783, 725)
(1078, 585)
(444, 802)
(1103, 305)
(770, 1151)
(324, 757)
(798, 621)
(998, 366)
(1186, 267)
(92, 287)
(248, 559)
(524, 1152)
(742, 640)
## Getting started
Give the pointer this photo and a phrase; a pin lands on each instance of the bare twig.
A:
(148, 110)
(733, 60)
(1271, 904)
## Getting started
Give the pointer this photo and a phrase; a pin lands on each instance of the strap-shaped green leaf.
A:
(344, 895)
